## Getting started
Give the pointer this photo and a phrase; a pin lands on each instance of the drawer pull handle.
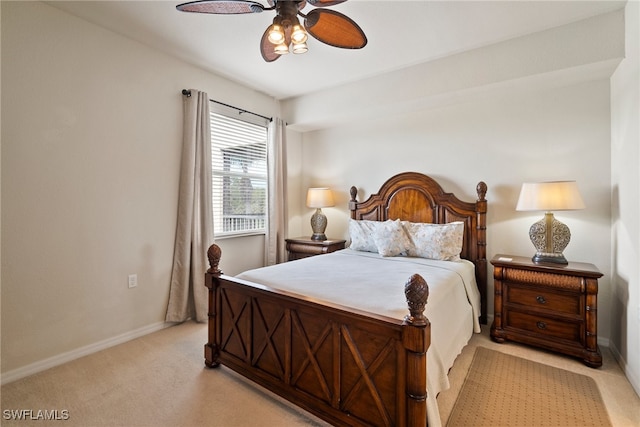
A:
(541, 299)
(541, 325)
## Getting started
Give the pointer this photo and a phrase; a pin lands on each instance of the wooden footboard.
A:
(346, 367)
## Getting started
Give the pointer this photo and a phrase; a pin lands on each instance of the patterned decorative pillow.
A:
(361, 234)
(435, 241)
(391, 238)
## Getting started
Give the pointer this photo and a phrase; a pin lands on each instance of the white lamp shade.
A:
(319, 198)
(550, 196)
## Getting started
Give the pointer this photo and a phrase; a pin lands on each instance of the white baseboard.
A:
(489, 319)
(59, 359)
(603, 342)
(633, 379)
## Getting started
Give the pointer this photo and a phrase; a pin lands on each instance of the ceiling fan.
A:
(286, 33)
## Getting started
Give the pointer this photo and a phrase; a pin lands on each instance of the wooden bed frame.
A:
(345, 366)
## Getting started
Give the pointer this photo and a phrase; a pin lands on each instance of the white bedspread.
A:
(370, 282)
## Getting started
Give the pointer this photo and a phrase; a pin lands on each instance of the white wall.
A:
(91, 140)
(625, 203)
(503, 140)
(580, 51)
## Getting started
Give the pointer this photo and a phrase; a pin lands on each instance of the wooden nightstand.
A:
(303, 247)
(546, 305)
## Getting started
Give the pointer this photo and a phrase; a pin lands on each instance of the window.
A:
(239, 171)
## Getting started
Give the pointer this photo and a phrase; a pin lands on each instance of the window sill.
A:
(226, 236)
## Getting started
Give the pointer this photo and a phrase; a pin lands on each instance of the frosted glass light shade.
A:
(281, 49)
(298, 34)
(276, 33)
(300, 48)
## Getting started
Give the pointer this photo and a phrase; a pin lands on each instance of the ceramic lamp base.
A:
(550, 237)
(318, 225)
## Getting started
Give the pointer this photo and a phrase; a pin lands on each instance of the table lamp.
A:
(319, 198)
(549, 236)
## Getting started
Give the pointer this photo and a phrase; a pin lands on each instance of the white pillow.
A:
(435, 241)
(361, 234)
(391, 238)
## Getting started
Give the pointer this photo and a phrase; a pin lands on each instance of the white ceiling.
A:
(400, 34)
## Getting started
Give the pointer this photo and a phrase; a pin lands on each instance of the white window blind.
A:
(239, 171)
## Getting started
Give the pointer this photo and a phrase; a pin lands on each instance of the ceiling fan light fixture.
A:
(300, 47)
(285, 33)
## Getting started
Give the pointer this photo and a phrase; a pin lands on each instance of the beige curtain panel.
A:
(194, 231)
(275, 250)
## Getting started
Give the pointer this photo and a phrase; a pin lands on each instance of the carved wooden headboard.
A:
(415, 197)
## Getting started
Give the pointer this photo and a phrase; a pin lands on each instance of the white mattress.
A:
(370, 282)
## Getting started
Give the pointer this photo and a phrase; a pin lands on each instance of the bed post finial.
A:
(481, 189)
(353, 202)
(417, 291)
(214, 254)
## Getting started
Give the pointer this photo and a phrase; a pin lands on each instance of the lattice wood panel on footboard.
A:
(345, 367)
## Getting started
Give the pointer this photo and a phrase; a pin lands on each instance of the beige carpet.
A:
(505, 390)
(160, 380)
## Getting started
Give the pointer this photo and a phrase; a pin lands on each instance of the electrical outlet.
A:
(133, 280)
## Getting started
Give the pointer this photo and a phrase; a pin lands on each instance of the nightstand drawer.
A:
(534, 278)
(541, 298)
(303, 250)
(303, 247)
(570, 331)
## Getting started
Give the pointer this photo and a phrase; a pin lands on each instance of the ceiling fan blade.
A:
(335, 29)
(266, 48)
(221, 7)
(324, 3)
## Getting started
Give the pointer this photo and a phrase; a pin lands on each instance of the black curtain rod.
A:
(187, 93)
